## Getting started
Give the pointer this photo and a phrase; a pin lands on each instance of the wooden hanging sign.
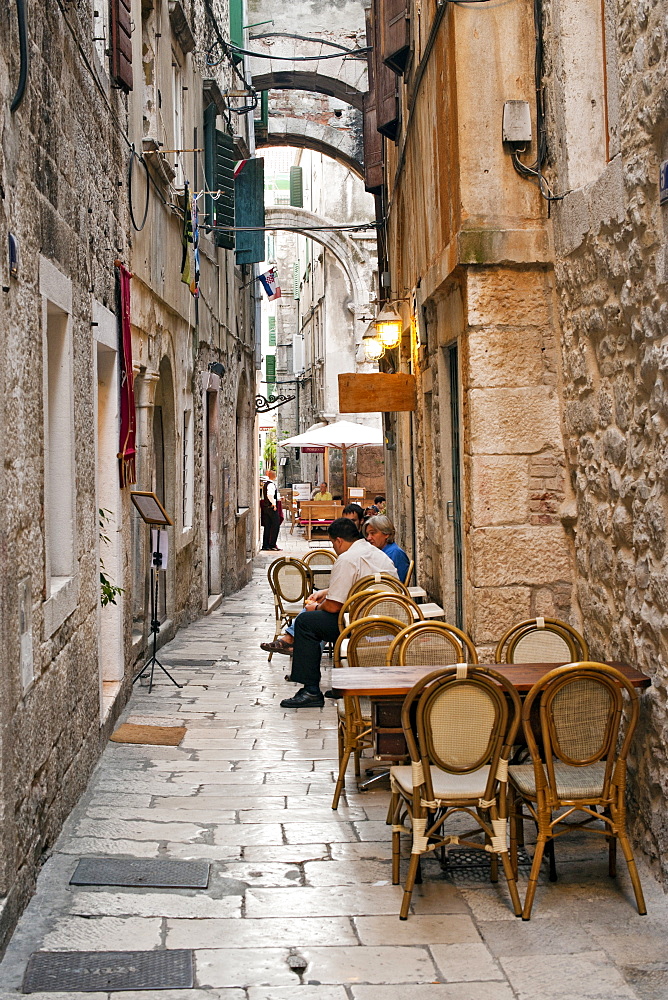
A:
(377, 392)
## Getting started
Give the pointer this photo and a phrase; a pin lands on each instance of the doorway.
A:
(452, 549)
(213, 495)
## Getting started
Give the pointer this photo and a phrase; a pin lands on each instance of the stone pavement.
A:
(300, 903)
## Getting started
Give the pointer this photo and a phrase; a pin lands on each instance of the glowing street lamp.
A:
(373, 346)
(389, 327)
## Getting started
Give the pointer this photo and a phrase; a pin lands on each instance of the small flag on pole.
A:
(269, 284)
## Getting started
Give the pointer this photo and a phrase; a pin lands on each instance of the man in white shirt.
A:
(356, 558)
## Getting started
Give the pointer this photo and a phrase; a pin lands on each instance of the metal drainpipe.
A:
(25, 58)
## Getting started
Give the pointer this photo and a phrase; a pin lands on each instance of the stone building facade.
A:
(607, 107)
(68, 126)
(478, 470)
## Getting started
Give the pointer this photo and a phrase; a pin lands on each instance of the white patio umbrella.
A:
(341, 434)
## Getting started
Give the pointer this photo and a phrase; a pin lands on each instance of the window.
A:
(188, 468)
(271, 323)
(101, 29)
(177, 107)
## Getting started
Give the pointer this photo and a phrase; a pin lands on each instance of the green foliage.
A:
(108, 590)
(269, 451)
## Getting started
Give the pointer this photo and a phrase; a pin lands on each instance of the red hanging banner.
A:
(126, 454)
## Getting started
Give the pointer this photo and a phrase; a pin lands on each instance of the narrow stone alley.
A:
(300, 901)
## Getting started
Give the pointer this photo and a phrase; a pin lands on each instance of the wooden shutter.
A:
(249, 211)
(121, 44)
(237, 27)
(373, 141)
(296, 187)
(219, 161)
(394, 34)
(387, 97)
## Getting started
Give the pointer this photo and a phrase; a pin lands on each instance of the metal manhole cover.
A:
(154, 873)
(100, 971)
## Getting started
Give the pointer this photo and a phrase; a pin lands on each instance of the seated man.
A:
(380, 503)
(356, 558)
(355, 513)
(284, 643)
(379, 530)
(321, 493)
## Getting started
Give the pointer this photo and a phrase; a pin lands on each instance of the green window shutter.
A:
(296, 279)
(296, 187)
(272, 331)
(219, 160)
(226, 158)
(270, 361)
(237, 26)
(249, 211)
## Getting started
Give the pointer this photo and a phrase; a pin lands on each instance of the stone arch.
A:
(244, 439)
(356, 264)
(349, 87)
(339, 144)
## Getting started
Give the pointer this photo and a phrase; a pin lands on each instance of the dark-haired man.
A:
(356, 558)
(355, 513)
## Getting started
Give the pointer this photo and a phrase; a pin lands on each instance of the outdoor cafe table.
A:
(388, 686)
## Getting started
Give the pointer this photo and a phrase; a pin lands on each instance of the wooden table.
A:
(388, 686)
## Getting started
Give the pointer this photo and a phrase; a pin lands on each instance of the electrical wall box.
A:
(516, 122)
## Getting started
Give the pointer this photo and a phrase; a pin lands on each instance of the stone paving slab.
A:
(300, 904)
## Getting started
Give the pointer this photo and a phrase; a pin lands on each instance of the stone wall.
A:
(611, 240)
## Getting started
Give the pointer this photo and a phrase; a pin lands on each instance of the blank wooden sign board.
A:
(376, 393)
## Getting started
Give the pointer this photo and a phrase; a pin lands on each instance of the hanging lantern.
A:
(389, 327)
(373, 347)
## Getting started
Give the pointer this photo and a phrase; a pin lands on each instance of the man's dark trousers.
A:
(312, 628)
(272, 525)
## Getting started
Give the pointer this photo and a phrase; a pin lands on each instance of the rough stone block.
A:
(507, 298)
(501, 557)
(505, 357)
(498, 490)
(496, 609)
(514, 421)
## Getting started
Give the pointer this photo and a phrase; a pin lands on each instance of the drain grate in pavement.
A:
(470, 866)
(152, 873)
(93, 971)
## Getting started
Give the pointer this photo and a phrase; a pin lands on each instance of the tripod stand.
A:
(155, 570)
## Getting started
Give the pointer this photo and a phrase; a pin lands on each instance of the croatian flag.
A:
(269, 284)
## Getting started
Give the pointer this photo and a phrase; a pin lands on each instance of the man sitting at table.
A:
(321, 493)
(356, 558)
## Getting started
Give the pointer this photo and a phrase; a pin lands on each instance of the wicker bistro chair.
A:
(431, 644)
(390, 605)
(366, 642)
(581, 764)
(291, 583)
(381, 582)
(460, 724)
(541, 640)
(352, 604)
(319, 557)
(409, 572)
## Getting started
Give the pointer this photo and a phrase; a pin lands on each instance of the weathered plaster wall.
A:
(611, 273)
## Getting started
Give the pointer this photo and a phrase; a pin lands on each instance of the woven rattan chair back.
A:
(432, 644)
(366, 642)
(290, 581)
(381, 583)
(462, 718)
(391, 606)
(581, 708)
(541, 640)
(351, 606)
(319, 557)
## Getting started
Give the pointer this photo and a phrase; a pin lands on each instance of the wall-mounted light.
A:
(217, 368)
(389, 327)
(374, 348)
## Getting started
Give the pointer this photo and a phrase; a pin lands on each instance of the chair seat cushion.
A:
(365, 708)
(446, 785)
(572, 782)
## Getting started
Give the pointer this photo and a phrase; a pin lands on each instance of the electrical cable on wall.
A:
(135, 156)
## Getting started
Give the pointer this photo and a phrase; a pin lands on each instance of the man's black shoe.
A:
(333, 694)
(304, 700)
